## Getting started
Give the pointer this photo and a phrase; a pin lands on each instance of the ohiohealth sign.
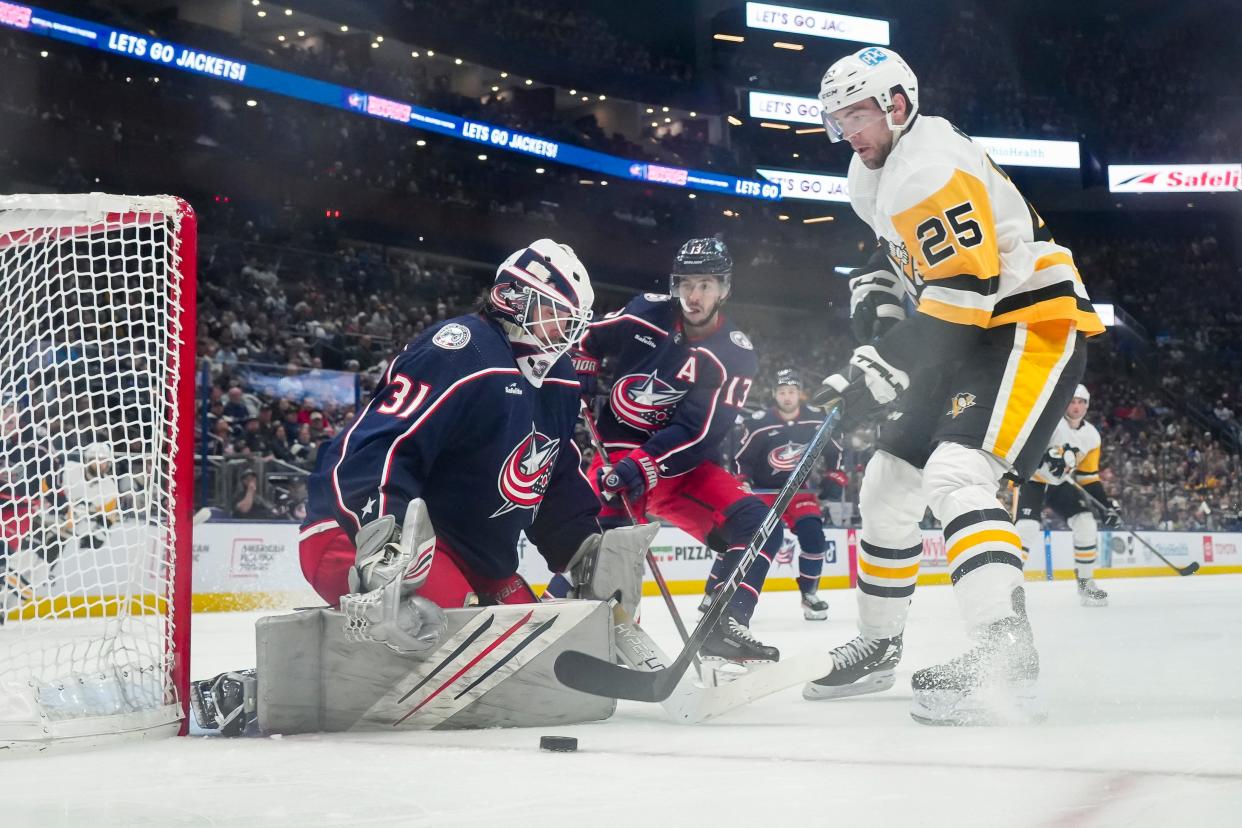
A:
(1174, 178)
(816, 23)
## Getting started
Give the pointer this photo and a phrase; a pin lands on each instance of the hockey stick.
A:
(692, 703)
(598, 443)
(1190, 569)
(598, 677)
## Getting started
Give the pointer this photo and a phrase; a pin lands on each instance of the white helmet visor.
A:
(844, 123)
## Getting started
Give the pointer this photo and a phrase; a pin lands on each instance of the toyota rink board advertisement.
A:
(244, 565)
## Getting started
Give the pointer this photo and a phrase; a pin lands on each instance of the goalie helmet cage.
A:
(97, 333)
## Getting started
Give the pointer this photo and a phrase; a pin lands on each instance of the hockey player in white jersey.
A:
(92, 494)
(973, 383)
(1072, 455)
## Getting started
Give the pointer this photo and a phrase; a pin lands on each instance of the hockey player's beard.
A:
(707, 323)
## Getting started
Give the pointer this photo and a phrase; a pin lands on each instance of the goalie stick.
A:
(589, 674)
(598, 442)
(1190, 568)
(692, 702)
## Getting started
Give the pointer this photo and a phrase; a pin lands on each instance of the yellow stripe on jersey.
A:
(1053, 310)
(951, 239)
(1088, 468)
(1040, 353)
(952, 231)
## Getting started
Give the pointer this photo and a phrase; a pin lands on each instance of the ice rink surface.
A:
(1145, 730)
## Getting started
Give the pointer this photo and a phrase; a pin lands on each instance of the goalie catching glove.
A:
(383, 606)
(864, 388)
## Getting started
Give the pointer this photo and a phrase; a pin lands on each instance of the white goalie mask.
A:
(871, 73)
(542, 296)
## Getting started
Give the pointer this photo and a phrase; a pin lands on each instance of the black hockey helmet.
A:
(788, 376)
(703, 257)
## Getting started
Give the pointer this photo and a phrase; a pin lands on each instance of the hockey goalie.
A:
(411, 535)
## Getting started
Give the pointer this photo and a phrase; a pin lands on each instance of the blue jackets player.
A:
(476, 418)
(681, 375)
(773, 442)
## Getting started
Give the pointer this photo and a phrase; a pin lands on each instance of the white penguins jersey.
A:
(1071, 451)
(971, 249)
(94, 496)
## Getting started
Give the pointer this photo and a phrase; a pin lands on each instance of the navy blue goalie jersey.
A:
(673, 397)
(772, 445)
(457, 424)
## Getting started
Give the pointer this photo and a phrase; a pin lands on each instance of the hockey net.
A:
(96, 466)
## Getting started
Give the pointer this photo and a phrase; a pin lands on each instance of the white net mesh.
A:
(90, 351)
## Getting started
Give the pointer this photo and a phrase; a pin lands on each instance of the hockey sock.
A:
(720, 570)
(810, 534)
(559, 587)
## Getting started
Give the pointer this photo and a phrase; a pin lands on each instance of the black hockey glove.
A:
(864, 388)
(632, 477)
(876, 305)
(1111, 518)
(587, 367)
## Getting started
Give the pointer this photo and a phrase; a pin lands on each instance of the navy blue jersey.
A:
(674, 397)
(773, 444)
(457, 424)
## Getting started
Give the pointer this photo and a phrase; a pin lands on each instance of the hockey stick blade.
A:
(1189, 569)
(589, 674)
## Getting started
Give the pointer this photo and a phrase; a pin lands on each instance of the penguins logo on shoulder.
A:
(741, 340)
(452, 337)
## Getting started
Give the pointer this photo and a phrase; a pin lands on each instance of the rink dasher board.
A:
(251, 565)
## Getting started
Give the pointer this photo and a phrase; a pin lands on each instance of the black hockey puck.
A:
(558, 744)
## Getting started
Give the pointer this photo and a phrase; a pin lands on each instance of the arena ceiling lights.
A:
(812, 23)
(1175, 178)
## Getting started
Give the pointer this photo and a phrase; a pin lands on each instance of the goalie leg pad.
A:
(493, 669)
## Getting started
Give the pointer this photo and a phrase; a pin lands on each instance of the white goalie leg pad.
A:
(960, 484)
(384, 607)
(494, 668)
(891, 504)
(1086, 543)
(613, 561)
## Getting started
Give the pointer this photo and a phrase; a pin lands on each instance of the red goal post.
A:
(97, 335)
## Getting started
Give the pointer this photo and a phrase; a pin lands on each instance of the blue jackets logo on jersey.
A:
(644, 401)
(785, 458)
(524, 477)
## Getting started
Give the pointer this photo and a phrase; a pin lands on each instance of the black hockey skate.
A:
(226, 704)
(864, 665)
(705, 603)
(994, 683)
(1090, 594)
(731, 641)
(814, 608)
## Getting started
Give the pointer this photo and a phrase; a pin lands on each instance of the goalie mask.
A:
(542, 297)
(872, 73)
